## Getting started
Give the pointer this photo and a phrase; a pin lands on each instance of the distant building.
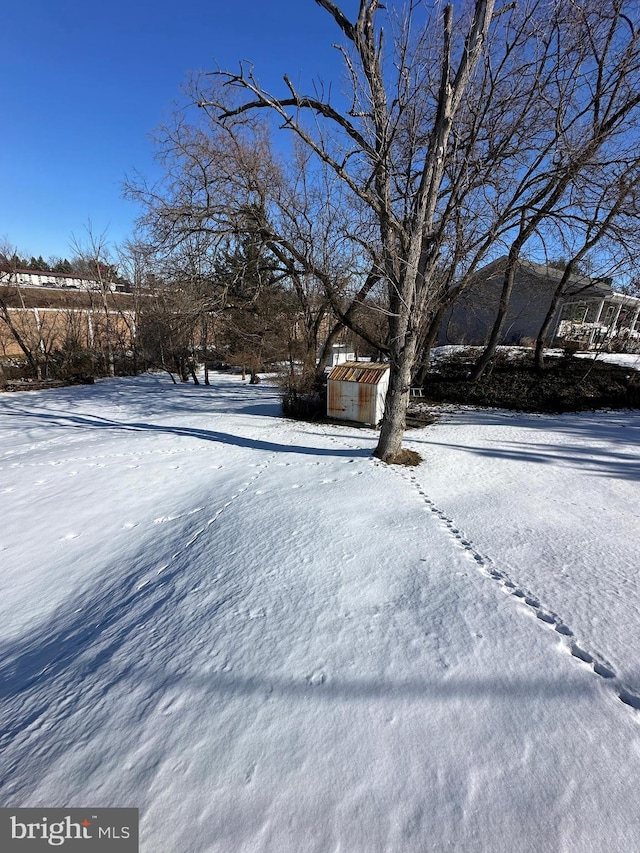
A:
(341, 353)
(590, 311)
(48, 318)
(45, 278)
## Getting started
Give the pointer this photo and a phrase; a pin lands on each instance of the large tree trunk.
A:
(397, 401)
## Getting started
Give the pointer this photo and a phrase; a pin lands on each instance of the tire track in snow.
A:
(549, 619)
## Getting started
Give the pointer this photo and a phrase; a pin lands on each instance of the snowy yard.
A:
(267, 641)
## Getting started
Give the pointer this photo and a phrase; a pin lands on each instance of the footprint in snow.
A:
(548, 618)
(257, 614)
(316, 678)
(579, 653)
(630, 699)
(603, 671)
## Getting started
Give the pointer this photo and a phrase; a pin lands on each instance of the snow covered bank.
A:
(267, 641)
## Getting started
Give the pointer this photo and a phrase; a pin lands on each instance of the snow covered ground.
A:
(631, 360)
(267, 641)
(624, 359)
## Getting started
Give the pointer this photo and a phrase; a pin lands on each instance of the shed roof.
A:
(365, 372)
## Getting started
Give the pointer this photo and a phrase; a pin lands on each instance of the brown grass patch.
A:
(405, 457)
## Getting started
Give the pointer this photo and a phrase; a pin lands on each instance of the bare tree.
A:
(606, 216)
(587, 74)
(24, 337)
(389, 149)
(92, 259)
(223, 186)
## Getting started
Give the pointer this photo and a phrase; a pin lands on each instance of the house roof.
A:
(577, 283)
(365, 372)
(581, 288)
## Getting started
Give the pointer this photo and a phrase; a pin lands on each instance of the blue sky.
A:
(83, 85)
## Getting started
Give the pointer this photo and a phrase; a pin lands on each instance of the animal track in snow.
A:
(603, 671)
(163, 519)
(526, 599)
(150, 577)
(630, 699)
(107, 457)
(316, 678)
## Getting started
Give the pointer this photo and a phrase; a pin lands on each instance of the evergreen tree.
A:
(63, 266)
(258, 316)
(38, 264)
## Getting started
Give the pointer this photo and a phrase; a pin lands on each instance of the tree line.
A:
(15, 261)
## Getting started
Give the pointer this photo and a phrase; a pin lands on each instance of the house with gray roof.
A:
(590, 312)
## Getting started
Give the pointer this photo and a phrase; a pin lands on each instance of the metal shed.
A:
(356, 391)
